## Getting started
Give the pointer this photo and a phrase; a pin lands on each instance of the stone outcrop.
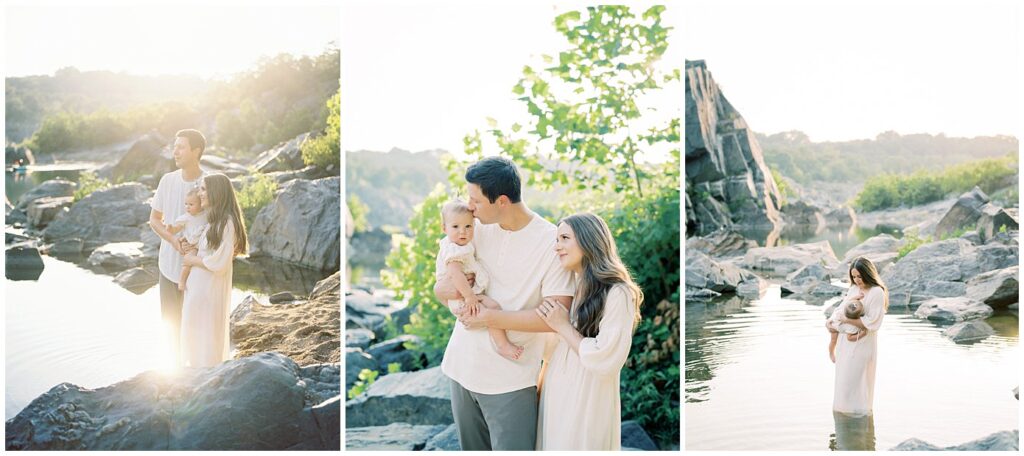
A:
(149, 155)
(968, 331)
(44, 210)
(54, 188)
(994, 219)
(394, 437)
(115, 214)
(998, 288)
(721, 243)
(951, 310)
(359, 338)
(307, 331)
(214, 164)
(786, 259)
(801, 213)
(704, 272)
(727, 181)
(394, 351)
(355, 361)
(117, 256)
(941, 269)
(302, 225)
(263, 402)
(23, 262)
(421, 397)
(882, 250)
(137, 280)
(286, 156)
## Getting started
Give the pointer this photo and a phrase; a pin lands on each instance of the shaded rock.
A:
(1000, 441)
(881, 250)
(214, 164)
(446, 440)
(394, 437)
(634, 436)
(243, 309)
(256, 403)
(117, 255)
(71, 246)
(727, 181)
(285, 156)
(704, 272)
(814, 271)
(751, 288)
(421, 397)
(16, 217)
(968, 331)
(54, 188)
(998, 288)
(801, 213)
(307, 331)
(109, 215)
(150, 243)
(701, 293)
(950, 310)
(302, 225)
(23, 262)
(355, 361)
(363, 310)
(841, 216)
(358, 338)
(394, 351)
(284, 296)
(136, 280)
(43, 210)
(964, 213)
(786, 259)
(940, 269)
(721, 243)
(993, 219)
(149, 155)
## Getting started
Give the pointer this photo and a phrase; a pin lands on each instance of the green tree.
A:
(325, 151)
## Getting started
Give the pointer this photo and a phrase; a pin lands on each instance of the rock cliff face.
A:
(727, 181)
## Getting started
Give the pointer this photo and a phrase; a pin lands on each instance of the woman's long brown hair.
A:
(223, 207)
(869, 274)
(601, 270)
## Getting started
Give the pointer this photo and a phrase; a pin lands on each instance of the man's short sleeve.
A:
(158, 203)
(557, 280)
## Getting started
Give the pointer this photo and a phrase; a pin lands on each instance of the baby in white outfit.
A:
(192, 226)
(456, 259)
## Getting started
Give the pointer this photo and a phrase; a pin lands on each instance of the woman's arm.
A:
(605, 353)
(219, 259)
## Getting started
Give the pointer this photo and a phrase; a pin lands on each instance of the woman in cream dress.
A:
(857, 354)
(579, 399)
(205, 309)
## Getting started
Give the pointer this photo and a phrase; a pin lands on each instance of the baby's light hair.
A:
(452, 207)
(194, 191)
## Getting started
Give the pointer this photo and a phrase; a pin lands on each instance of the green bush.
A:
(366, 378)
(88, 183)
(325, 151)
(359, 212)
(922, 187)
(254, 195)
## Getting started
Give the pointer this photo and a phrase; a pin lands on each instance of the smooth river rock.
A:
(421, 397)
(1000, 441)
(110, 215)
(951, 310)
(790, 258)
(302, 225)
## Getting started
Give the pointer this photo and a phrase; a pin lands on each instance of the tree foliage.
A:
(895, 190)
(325, 150)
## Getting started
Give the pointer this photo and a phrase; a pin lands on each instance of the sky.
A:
(840, 71)
(149, 38)
(432, 74)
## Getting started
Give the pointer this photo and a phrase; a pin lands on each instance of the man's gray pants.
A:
(505, 421)
(170, 310)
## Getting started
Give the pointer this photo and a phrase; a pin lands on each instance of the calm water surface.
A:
(758, 377)
(75, 325)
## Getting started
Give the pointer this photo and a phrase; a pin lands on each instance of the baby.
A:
(853, 309)
(192, 225)
(456, 259)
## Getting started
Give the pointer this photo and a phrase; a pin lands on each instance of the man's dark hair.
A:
(496, 176)
(195, 139)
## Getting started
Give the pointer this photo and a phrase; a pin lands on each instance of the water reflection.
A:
(16, 184)
(842, 238)
(853, 432)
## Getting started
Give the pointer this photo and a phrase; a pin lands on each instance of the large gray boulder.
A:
(786, 259)
(263, 402)
(801, 213)
(421, 397)
(727, 181)
(110, 215)
(214, 164)
(53, 188)
(363, 310)
(286, 156)
(634, 436)
(394, 351)
(149, 155)
(841, 216)
(721, 243)
(23, 262)
(968, 331)
(44, 210)
(117, 256)
(302, 225)
(941, 269)
(964, 213)
(704, 272)
(393, 437)
(359, 338)
(446, 440)
(881, 249)
(998, 288)
(994, 219)
(951, 310)
(1000, 441)
(136, 280)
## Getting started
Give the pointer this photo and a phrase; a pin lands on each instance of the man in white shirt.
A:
(167, 205)
(494, 399)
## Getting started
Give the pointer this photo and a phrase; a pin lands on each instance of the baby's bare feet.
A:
(511, 352)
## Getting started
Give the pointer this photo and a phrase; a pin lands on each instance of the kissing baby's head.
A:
(458, 222)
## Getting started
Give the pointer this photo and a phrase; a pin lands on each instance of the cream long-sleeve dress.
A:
(204, 314)
(579, 403)
(855, 361)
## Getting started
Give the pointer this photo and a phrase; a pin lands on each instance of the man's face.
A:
(184, 154)
(482, 208)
